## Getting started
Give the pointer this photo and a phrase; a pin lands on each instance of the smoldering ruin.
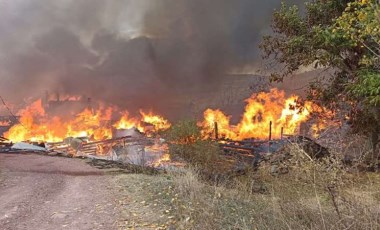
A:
(131, 53)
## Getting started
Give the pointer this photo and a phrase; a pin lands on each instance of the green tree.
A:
(340, 35)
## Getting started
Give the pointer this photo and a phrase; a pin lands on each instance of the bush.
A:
(185, 140)
(184, 132)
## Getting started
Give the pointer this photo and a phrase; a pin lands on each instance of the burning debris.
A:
(109, 133)
(95, 123)
(96, 131)
(5, 144)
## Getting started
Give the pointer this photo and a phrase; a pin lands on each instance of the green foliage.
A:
(341, 35)
(185, 141)
(200, 153)
(305, 40)
(359, 26)
(367, 87)
(186, 132)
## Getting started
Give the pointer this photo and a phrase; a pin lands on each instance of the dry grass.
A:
(313, 195)
(182, 200)
(286, 206)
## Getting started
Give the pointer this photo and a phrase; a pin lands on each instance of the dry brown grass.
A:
(313, 195)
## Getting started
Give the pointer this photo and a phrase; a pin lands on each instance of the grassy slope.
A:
(180, 199)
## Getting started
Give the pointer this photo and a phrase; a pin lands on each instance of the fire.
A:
(159, 149)
(157, 121)
(36, 125)
(165, 158)
(4, 123)
(224, 128)
(125, 122)
(285, 114)
(96, 124)
(325, 122)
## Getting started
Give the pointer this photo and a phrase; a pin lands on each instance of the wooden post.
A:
(282, 133)
(216, 130)
(270, 135)
(270, 130)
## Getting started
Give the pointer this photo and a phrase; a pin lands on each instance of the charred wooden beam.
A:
(237, 147)
(108, 140)
(216, 131)
(270, 130)
(245, 141)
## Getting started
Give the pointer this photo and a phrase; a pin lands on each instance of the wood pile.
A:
(5, 144)
(78, 147)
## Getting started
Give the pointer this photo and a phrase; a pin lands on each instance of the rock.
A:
(59, 216)
(274, 169)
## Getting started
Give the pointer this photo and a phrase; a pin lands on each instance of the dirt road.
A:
(41, 192)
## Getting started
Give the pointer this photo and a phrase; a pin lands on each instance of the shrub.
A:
(185, 140)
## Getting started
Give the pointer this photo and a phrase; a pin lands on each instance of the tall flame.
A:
(36, 125)
(285, 114)
(126, 122)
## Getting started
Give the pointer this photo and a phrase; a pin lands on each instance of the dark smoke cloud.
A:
(133, 53)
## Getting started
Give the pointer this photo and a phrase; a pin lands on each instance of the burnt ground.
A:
(42, 192)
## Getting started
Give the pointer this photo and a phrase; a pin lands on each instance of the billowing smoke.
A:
(133, 53)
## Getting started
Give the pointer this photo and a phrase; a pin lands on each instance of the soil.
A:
(42, 192)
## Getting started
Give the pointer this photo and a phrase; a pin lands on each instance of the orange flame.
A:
(36, 125)
(261, 109)
(157, 121)
(224, 128)
(125, 122)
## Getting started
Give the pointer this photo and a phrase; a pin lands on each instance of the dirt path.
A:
(41, 192)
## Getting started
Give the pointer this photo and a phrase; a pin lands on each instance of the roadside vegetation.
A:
(339, 191)
(310, 195)
(342, 38)
(186, 142)
(305, 194)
